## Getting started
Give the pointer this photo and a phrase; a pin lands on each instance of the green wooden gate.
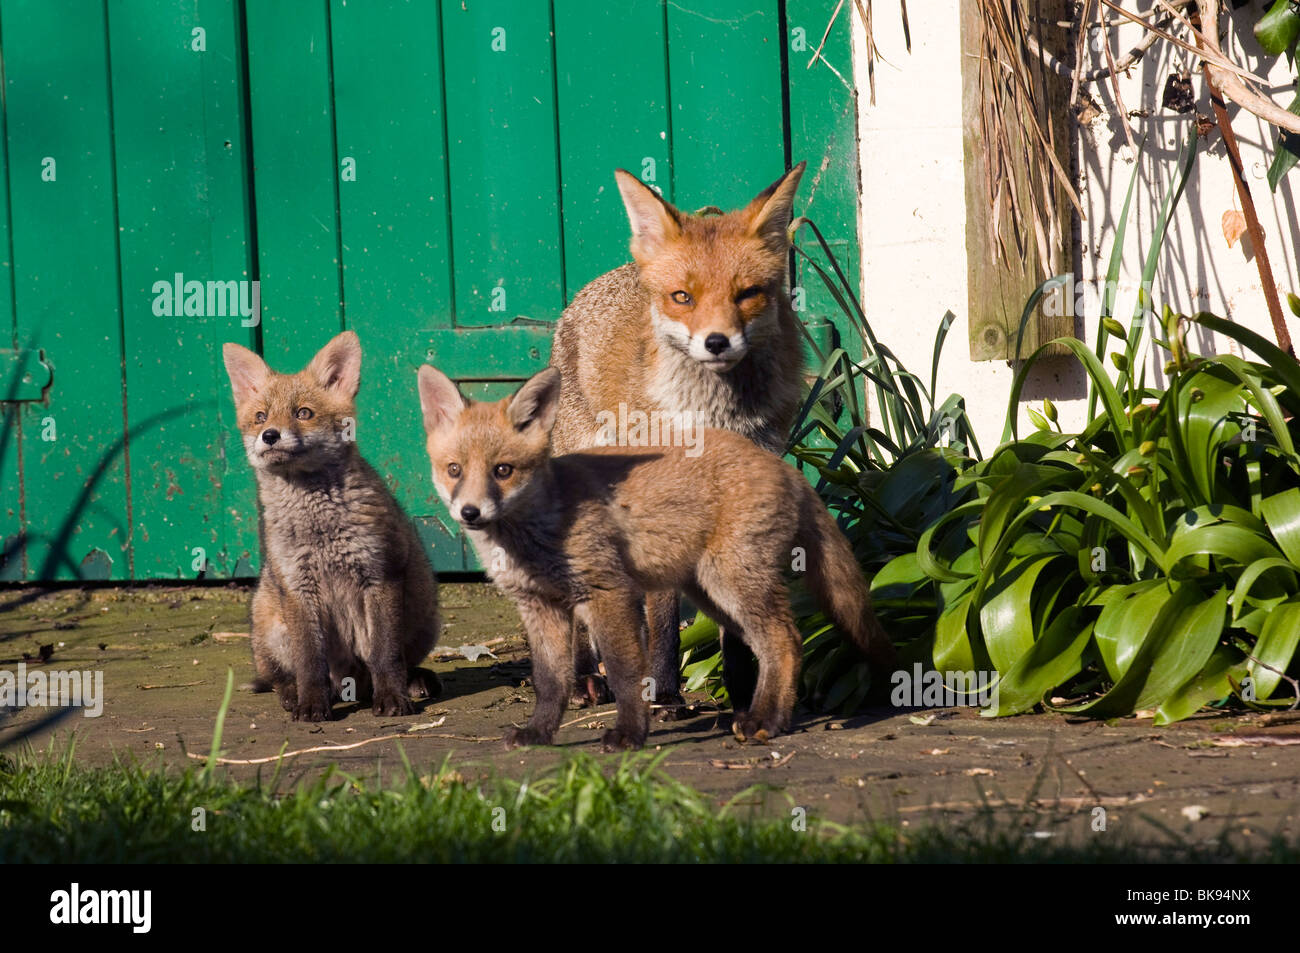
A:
(437, 176)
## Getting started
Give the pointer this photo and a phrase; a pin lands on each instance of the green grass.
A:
(586, 810)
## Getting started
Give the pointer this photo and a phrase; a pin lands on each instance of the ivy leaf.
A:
(1278, 30)
(1287, 152)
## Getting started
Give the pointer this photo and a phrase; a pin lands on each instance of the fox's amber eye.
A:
(503, 470)
(752, 292)
(683, 297)
(453, 470)
(260, 418)
(304, 413)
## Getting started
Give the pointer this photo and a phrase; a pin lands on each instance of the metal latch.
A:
(24, 375)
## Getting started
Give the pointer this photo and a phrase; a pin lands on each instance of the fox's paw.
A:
(670, 708)
(617, 739)
(312, 710)
(424, 684)
(390, 705)
(590, 691)
(525, 737)
(749, 728)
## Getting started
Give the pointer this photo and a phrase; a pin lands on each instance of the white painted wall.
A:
(913, 207)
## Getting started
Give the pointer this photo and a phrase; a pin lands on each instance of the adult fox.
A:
(699, 330)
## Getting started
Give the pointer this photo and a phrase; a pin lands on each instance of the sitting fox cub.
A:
(345, 589)
(587, 535)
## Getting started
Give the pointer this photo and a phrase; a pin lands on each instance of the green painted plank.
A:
(823, 132)
(393, 221)
(66, 286)
(294, 178)
(724, 70)
(612, 100)
(170, 157)
(230, 210)
(11, 387)
(510, 353)
(506, 235)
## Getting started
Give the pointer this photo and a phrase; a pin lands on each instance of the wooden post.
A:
(999, 284)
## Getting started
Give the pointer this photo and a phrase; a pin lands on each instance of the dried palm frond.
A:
(1026, 185)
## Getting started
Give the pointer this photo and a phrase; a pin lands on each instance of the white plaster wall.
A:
(913, 208)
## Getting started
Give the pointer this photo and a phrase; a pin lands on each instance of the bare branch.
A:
(1229, 84)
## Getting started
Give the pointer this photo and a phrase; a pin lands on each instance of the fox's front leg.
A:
(550, 643)
(382, 650)
(306, 639)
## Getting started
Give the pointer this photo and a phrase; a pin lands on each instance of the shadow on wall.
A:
(1197, 270)
(59, 555)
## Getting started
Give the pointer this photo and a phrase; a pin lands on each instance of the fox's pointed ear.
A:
(440, 398)
(248, 373)
(337, 366)
(654, 221)
(537, 402)
(772, 209)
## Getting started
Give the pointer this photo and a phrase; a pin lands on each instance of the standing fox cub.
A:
(587, 535)
(345, 590)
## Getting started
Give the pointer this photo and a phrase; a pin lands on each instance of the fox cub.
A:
(587, 535)
(700, 328)
(345, 590)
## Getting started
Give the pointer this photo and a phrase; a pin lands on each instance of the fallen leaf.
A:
(228, 636)
(973, 772)
(1194, 812)
(939, 751)
(922, 721)
(428, 725)
(1234, 226)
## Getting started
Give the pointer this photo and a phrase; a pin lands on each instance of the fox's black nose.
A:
(270, 436)
(716, 343)
(469, 513)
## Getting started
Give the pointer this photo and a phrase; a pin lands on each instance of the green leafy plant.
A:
(1149, 561)
(883, 477)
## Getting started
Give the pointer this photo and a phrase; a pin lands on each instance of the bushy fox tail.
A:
(836, 582)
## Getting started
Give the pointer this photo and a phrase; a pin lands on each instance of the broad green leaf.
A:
(1009, 497)
(952, 648)
(1241, 593)
(1210, 684)
(702, 631)
(1125, 621)
(1185, 649)
(1279, 28)
(1115, 519)
(1177, 642)
(1053, 660)
(1006, 619)
(1282, 513)
(1223, 540)
(1275, 647)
